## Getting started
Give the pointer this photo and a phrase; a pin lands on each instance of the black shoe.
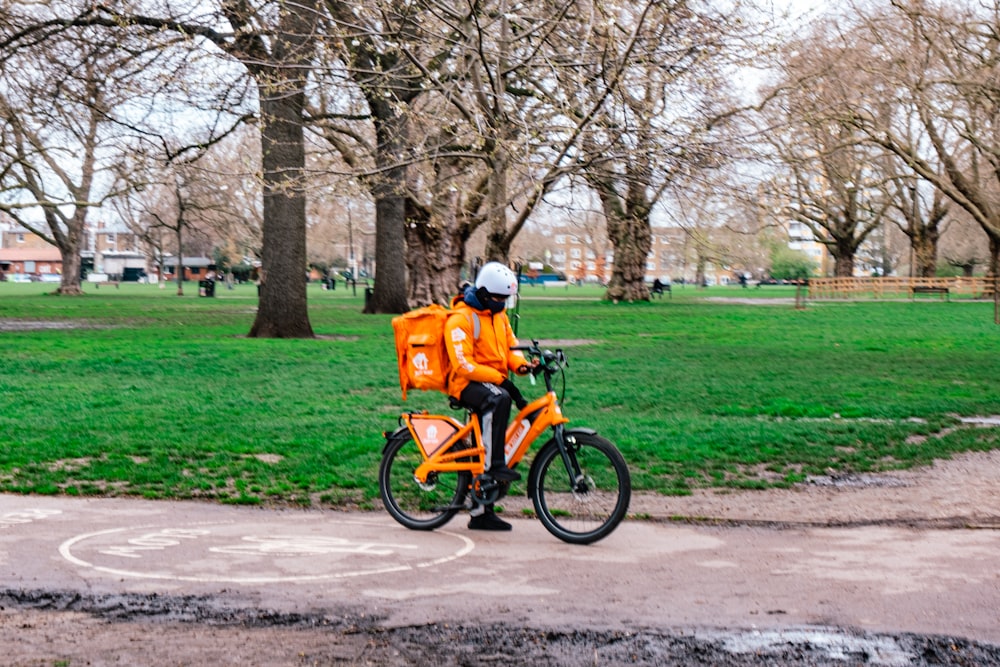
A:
(502, 473)
(488, 521)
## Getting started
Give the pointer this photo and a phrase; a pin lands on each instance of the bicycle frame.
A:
(441, 455)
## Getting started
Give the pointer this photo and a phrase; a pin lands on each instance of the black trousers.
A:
(491, 403)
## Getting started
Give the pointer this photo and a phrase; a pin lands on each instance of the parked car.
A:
(49, 278)
(19, 277)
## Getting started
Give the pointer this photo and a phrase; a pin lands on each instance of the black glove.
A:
(515, 393)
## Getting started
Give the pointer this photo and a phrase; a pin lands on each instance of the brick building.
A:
(24, 252)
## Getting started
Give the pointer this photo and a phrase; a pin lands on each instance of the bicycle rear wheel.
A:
(589, 508)
(416, 505)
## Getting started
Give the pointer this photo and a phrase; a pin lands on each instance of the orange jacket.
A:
(485, 357)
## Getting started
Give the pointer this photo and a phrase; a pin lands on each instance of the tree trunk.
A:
(389, 192)
(281, 81)
(436, 236)
(843, 259)
(925, 242)
(69, 250)
(389, 295)
(283, 310)
(69, 282)
(632, 239)
(434, 258)
(68, 236)
(436, 241)
(497, 239)
(699, 271)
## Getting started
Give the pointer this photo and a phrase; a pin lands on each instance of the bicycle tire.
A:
(418, 506)
(591, 512)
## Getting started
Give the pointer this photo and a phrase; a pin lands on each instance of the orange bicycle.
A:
(432, 466)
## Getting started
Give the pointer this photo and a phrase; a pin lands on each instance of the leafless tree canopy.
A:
(451, 118)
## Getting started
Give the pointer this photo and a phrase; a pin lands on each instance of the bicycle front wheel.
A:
(418, 505)
(589, 507)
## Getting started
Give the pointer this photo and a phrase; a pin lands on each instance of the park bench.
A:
(98, 279)
(943, 292)
(658, 291)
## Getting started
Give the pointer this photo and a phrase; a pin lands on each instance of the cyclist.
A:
(479, 339)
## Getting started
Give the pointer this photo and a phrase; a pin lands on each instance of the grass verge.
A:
(136, 391)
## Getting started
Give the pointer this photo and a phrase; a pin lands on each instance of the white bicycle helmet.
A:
(497, 279)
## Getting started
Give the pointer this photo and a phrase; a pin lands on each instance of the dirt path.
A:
(895, 569)
(961, 491)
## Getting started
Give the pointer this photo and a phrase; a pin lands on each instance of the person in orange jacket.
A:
(479, 340)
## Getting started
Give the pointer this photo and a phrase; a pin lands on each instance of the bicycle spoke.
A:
(591, 506)
(415, 504)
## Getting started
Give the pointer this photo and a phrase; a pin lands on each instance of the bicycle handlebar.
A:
(550, 361)
(550, 364)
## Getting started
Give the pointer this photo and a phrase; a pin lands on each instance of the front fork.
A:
(575, 475)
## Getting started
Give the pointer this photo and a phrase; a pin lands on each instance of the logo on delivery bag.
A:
(421, 365)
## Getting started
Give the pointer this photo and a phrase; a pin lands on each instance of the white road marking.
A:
(153, 540)
(26, 516)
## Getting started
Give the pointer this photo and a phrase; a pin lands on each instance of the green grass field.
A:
(135, 391)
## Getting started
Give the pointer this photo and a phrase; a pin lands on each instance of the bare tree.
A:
(539, 77)
(965, 246)
(188, 198)
(57, 148)
(478, 111)
(921, 213)
(464, 126)
(872, 78)
(833, 180)
(665, 119)
(386, 51)
(274, 42)
(947, 85)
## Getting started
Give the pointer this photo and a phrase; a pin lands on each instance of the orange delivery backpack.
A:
(421, 351)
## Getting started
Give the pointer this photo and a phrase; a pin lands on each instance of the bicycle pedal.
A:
(486, 489)
(487, 481)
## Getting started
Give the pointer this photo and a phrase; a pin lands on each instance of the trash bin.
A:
(206, 288)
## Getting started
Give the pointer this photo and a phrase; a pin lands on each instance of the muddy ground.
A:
(72, 629)
(54, 625)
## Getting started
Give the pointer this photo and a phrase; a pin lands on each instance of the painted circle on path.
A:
(262, 552)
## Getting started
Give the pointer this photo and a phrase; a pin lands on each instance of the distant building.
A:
(19, 237)
(195, 268)
(581, 255)
(802, 239)
(115, 252)
(589, 256)
(32, 261)
(24, 252)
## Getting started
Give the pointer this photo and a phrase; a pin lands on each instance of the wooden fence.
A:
(899, 287)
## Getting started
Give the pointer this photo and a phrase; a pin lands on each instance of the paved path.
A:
(645, 575)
